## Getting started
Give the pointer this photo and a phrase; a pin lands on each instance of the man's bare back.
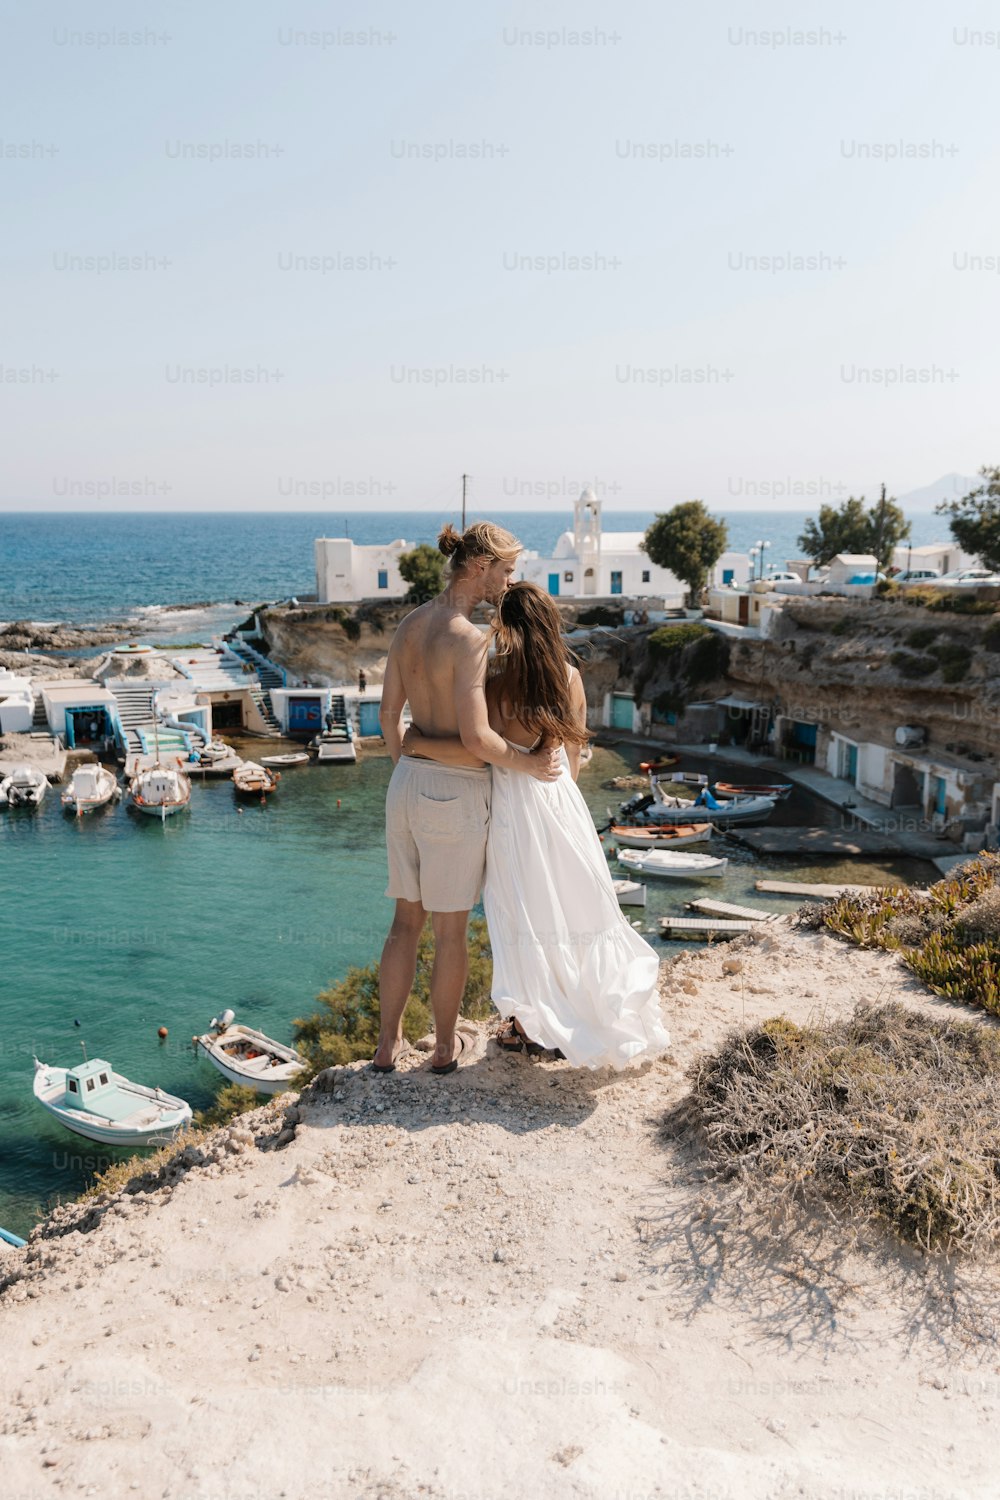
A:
(429, 645)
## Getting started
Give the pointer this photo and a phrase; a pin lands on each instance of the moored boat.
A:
(672, 864)
(254, 780)
(663, 764)
(675, 836)
(246, 1056)
(90, 786)
(95, 1102)
(281, 762)
(160, 791)
(14, 1240)
(335, 744)
(667, 808)
(25, 786)
(779, 789)
(630, 892)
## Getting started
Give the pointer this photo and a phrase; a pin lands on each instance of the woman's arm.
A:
(578, 700)
(448, 752)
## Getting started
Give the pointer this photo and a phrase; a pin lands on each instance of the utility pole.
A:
(465, 481)
(879, 529)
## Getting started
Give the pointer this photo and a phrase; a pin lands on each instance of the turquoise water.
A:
(126, 925)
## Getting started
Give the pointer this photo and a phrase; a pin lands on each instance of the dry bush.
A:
(887, 1116)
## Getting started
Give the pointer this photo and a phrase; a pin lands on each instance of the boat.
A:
(295, 758)
(25, 786)
(667, 808)
(336, 743)
(254, 780)
(681, 778)
(630, 892)
(95, 1102)
(249, 1057)
(672, 864)
(159, 791)
(779, 790)
(90, 786)
(673, 837)
(15, 1240)
(659, 765)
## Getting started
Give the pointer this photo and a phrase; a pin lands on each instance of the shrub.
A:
(600, 614)
(887, 1116)
(955, 658)
(922, 636)
(346, 1024)
(668, 639)
(843, 626)
(908, 665)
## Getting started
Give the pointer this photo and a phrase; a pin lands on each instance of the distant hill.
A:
(948, 487)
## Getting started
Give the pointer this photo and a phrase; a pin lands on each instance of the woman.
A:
(567, 965)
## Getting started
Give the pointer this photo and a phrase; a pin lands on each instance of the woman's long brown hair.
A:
(529, 674)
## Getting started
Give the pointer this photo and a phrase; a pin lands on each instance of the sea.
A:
(112, 926)
(180, 574)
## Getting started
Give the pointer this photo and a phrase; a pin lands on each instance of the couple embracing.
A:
(483, 797)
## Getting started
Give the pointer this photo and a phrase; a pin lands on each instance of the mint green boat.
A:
(95, 1102)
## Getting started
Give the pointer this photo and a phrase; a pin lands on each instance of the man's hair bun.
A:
(449, 541)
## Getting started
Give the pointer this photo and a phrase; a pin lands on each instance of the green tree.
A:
(423, 570)
(688, 541)
(345, 1025)
(876, 531)
(975, 519)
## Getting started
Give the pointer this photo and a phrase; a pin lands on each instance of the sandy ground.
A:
(509, 1282)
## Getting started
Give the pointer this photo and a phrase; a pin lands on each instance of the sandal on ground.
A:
(451, 1067)
(510, 1039)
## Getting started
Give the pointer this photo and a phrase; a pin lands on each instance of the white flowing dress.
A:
(566, 961)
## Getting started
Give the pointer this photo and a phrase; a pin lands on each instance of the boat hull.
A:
(171, 1114)
(282, 1073)
(665, 838)
(683, 869)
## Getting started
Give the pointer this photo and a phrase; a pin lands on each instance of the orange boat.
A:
(659, 765)
(663, 836)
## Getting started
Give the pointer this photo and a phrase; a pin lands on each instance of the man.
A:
(437, 817)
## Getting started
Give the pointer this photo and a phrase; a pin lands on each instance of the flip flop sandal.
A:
(451, 1067)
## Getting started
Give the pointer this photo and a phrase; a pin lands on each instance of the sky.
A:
(281, 256)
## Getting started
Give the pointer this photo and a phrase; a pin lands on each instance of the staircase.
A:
(338, 709)
(135, 710)
(262, 698)
(39, 723)
(268, 675)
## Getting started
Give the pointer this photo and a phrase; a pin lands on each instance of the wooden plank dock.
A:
(710, 908)
(803, 842)
(820, 892)
(708, 927)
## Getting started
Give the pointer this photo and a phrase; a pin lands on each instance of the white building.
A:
(347, 573)
(17, 703)
(942, 557)
(591, 562)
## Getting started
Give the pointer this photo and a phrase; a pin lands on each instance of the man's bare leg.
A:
(448, 976)
(396, 973)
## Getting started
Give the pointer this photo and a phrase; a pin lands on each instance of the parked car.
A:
(782, 578)
(917, 575)
(967, 578)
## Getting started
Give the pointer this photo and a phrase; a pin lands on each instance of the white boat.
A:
(675, 866)
(667, 836)
(90, 786)
(249, 1057)
(335, 744)
(24, 787)
(630, 892)
(96, 1102)
(160, 791)
(253, 780)
(666, 808)
(280, 762)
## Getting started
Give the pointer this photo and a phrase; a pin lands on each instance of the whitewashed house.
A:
(347, 572)
(17, 703)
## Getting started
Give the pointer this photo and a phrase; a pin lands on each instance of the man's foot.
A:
(387, 1055)
(458, 1047)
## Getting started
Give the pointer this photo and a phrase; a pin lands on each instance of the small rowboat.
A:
(24, 787)
(659, 765)
(295, 758)
(95, 1102)
(249, 1057)
(670, 837)
(780, 790)
(630, 892)
(90, 786)
(253, 780)
(675, 866)
(668, 809)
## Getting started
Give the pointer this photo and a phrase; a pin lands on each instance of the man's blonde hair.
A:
(482, 539)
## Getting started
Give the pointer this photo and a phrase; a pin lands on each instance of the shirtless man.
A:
(437, 817)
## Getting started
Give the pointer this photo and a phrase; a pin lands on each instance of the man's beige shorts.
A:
(436, 822)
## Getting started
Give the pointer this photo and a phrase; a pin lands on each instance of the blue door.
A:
(852, 764)
(368, 723)
(621, 711)
(616, 583)
(940, 795)
(304, 716)
(553, 583)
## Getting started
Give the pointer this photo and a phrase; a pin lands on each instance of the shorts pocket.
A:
(440, 820)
